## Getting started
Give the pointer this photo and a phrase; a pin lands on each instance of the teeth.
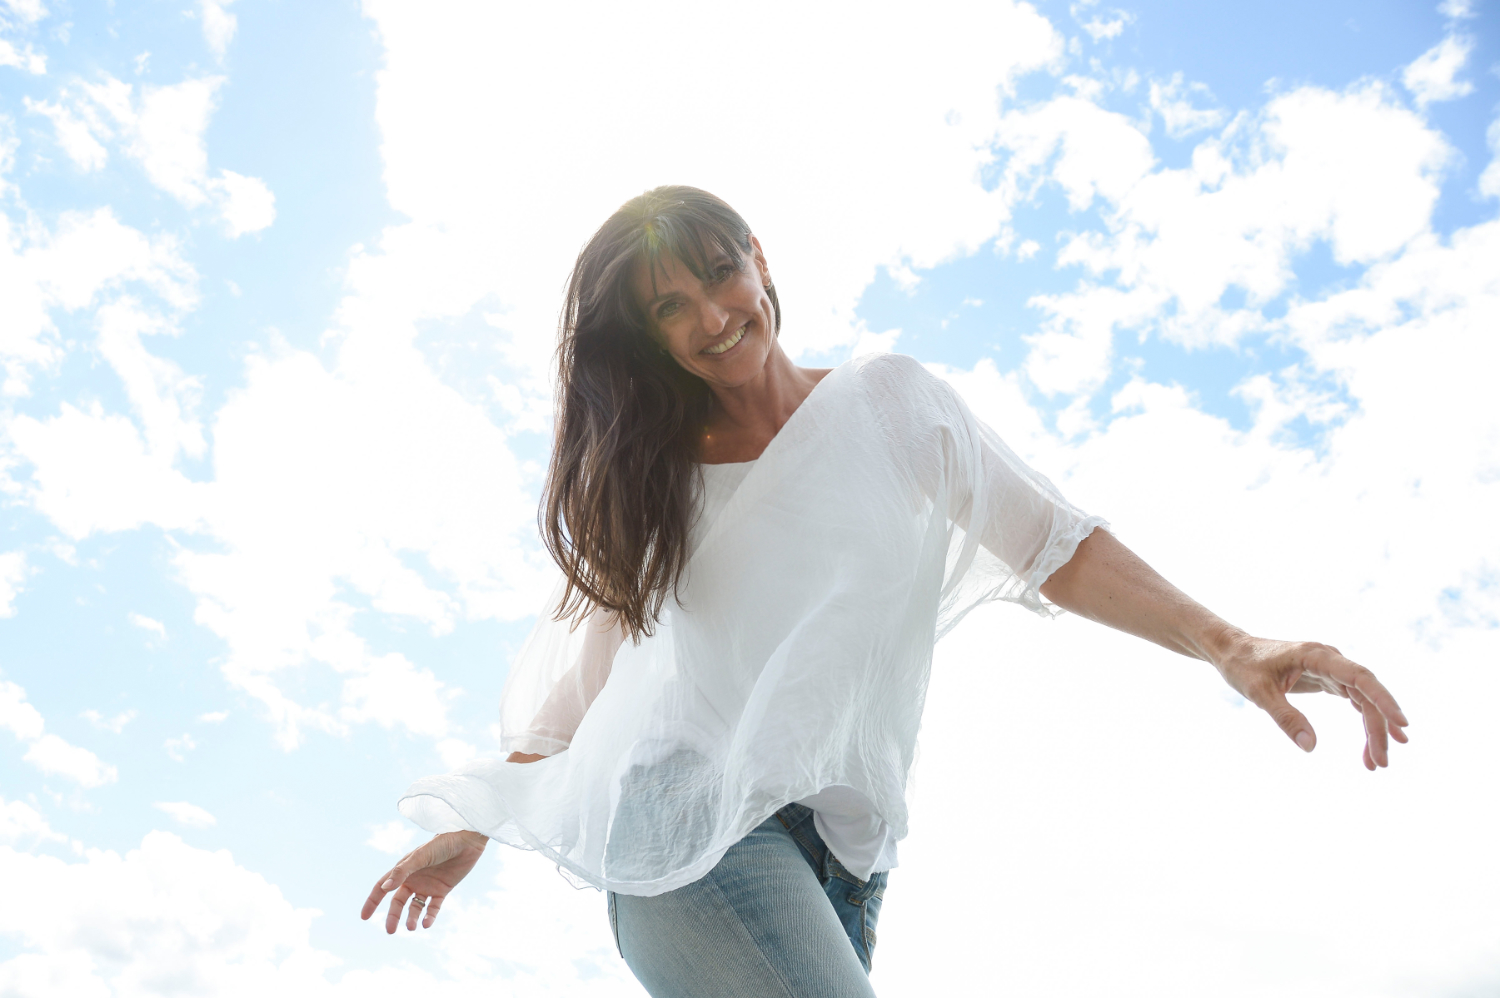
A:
(739, 335)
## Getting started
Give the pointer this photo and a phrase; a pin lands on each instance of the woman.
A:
(719, 712)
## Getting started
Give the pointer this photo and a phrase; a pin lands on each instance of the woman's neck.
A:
(745, 418)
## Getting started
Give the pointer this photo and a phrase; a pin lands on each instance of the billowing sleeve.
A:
(1008, 527)
(554, 679)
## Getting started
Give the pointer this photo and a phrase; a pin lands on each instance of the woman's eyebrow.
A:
(661, 298)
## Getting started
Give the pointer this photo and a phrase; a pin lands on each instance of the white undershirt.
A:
(862, 842)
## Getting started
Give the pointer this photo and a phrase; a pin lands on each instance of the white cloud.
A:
(161, 128)
(24, 13)
(330, 470)
(162, 396)
(26, 58)
(389, 690)
(393, 837)
(92, 473)
(214, 717)
(869, 341)
(23, 720)
(1430, 77)
(169, 918)
(87, 256)
(930, 81)
(164, 132)
(178, 748)
(455, 752)
(1101, 27)
(187, 814)
(20, 822)
(1354, 168)
(55, 756)
(1173, 101)
(92, 252)
(161, 918)
(75, 133)
(218, 25)
(148, 624)
(246, 203)
(1456, 8)
(1088, 151)
(114, 725)
(13, 572)
(27, 11)
(1489, 180)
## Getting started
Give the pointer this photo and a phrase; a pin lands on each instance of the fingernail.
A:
(388, 885)
(1304, 741)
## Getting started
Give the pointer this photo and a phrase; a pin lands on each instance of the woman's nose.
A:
(711, 317)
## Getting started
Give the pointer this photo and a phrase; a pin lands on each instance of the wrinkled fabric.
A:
(796, 656)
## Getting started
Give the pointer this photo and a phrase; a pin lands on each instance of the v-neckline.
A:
(782, 440)
(789, 420)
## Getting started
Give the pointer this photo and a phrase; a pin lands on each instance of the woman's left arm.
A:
(1105, 581)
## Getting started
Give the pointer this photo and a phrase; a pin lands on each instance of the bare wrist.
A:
(1221, 643)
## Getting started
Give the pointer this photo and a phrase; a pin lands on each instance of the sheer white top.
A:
(792, 666)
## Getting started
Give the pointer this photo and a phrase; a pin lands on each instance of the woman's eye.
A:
(722, 272)
(666, 309)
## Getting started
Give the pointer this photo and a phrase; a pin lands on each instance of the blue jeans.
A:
(778, 916)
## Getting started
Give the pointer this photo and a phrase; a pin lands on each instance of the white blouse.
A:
(794, 663)
(844, 818)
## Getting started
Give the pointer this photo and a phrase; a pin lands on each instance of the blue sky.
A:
(279, 283)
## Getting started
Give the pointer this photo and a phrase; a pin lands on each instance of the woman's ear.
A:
(760, 261)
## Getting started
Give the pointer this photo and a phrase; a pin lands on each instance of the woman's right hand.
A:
(427, 873)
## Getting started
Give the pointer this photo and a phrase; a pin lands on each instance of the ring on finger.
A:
(418, 902)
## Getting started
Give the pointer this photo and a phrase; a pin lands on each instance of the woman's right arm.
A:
(429, 872)
(553, 724)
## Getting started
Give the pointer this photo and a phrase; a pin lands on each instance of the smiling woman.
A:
(719, 710)
(670, 302)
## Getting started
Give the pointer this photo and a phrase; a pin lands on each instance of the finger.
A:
(1376, 692)
(1288, 718)
(393, 916)
(414, 911)
(1369, 763)
(1353, 698)
(377, 894)
(1352, 675)
(1375, 730)
(432, 912)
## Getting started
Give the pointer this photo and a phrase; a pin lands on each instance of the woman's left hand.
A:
(1107, 582)
(1265, 671)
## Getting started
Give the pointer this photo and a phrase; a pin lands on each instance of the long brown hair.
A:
(622, 486)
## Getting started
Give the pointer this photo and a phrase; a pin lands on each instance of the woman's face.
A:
(722, 329)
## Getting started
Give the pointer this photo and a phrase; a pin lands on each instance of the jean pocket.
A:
(614, 923)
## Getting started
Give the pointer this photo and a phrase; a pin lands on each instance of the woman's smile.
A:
(727, 344)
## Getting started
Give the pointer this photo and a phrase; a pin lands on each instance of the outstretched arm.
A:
(1105, 581)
